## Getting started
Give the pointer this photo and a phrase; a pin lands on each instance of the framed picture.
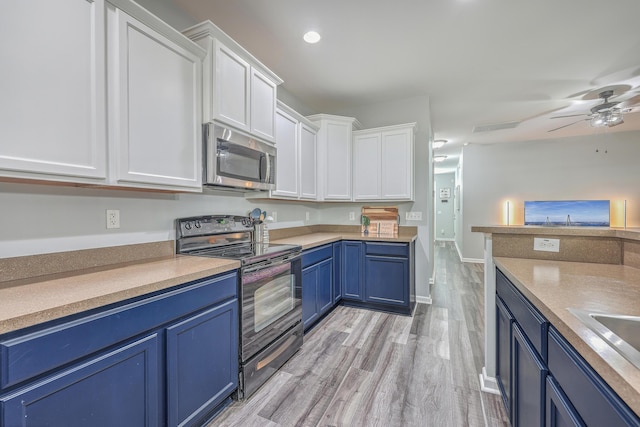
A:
(572, 213)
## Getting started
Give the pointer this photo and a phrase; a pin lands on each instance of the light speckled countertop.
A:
(554, 286)
(26, 303)
(32, 300)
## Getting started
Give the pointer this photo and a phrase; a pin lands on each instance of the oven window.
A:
(273, 300)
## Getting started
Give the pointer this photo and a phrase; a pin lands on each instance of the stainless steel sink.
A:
(619, 331)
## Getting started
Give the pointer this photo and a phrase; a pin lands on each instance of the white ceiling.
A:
(479, 61)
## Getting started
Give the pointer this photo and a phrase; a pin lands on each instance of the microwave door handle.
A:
(268, 175)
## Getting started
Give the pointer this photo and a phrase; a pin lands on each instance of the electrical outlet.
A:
(307, 216)
(274, 215)
(413, 216)
(113, 218)
(547, 245)
(352, 216)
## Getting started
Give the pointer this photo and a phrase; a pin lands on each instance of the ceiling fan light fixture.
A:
(607, 118)
(438, 143)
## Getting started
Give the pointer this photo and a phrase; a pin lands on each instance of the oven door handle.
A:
(269, 264)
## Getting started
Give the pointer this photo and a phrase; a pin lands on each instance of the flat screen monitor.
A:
(573, 213)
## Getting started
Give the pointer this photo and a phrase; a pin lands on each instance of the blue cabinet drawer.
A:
(26, 356)
(387, 249)
(528, 317)
(314, 256)
(596, 403)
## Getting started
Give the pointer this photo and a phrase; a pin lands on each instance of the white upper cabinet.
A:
(384, 163)
(308, 162)
(92, 69)
(239, 90)
(287, 158)
(231, 94)
(366, 165)
(155, 105)
(334, 156)
(296, 158)
(52, 88)
(263, 105)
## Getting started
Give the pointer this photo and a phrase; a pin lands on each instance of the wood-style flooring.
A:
(366, 368)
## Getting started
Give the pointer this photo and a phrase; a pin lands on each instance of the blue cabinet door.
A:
(324, 296)
(119, 388)
(309, 291)
(202, 363)
(559, 411)
(387, 280)
(504, 321)
(352, 265)
(337, 272)
(528, 377)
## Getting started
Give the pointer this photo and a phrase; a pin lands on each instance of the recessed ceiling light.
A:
(311, 37)
(438, 143)
(439, 159)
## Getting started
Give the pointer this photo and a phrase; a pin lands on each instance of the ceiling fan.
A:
(608, 113)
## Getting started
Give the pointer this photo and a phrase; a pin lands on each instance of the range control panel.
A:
(212, 224)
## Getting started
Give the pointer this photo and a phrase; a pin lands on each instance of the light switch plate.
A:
(413, 216)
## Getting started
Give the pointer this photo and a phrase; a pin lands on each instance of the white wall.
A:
(601, 166)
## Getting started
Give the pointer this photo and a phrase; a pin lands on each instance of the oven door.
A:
(236, 160)
(271, 303)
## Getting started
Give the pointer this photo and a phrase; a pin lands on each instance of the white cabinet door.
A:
(307, 138)
(338, 161)
(287, 183)
(52, 90)
(155, 130)
(397, 164)
(232, 91)
(263, 106)
(366, 170)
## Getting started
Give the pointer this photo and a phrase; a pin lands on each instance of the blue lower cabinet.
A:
(317, 291)
(169, 358)
(593, 399)
(559, 411)
(309, 292)
(387, 280)
(202, 364)
(352, 270)
(504, 323)
(528, 373)
(119, 388)
(337, 272)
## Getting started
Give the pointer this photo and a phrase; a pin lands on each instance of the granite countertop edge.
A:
(620, 233)
(553, 301)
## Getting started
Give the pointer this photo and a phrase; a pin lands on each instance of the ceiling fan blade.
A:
(570, 115)
(564, 126)
(631, 102)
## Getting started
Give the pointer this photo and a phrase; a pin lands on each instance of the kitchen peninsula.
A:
(595, 269)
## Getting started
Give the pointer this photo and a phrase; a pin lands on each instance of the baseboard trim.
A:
(424, 300)
(445, 239)
(488, 384)
(473, 260)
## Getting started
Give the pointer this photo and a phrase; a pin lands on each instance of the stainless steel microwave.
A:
(237, 160)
